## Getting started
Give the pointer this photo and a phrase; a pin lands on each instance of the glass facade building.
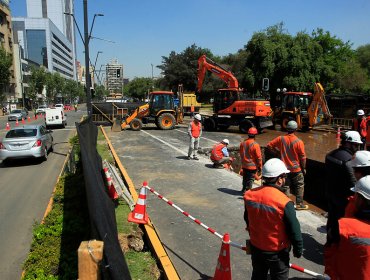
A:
(36, 46)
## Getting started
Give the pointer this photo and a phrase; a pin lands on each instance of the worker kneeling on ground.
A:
(272, 224)
(220, 154)
(347, 254)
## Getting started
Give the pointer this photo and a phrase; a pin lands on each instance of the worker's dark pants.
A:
(263, 262)
(248, 179)
(363, 146)
(336, 210)
(296, 186)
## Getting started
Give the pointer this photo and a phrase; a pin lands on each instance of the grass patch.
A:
(53, 253)
(102, 147)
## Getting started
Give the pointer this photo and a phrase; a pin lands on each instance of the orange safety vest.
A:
(291, 150)
(195, 129)
(350, 259)
(362, 129)
(216, 153)
(250, 154)
(265, 206)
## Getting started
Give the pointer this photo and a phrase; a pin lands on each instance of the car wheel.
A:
(45, 154)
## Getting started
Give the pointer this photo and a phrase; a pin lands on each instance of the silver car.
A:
(17, 114)
(30, 141)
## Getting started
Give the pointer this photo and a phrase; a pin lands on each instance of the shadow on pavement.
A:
(230, 191)
(182, 157)
(201, 275)
(313, 250)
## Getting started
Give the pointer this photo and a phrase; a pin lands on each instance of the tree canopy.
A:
(5, 64)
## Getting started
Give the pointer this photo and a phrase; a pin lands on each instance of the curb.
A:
(156, 244)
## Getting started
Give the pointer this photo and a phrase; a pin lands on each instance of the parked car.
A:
(17, 114)
(30, 141)
(59, 106)
(41, 109)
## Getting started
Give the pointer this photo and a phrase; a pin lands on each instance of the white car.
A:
(55, 117)
(59, 106)
(41, 109)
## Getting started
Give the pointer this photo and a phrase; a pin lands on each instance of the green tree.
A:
(60, 84)
(352, 78)
(5, 64)
(100, 92)
(363, 57)
(138, 88)
(50, 87)
(36, 82)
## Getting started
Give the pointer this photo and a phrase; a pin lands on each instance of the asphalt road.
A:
(211, 195)
(25, 190)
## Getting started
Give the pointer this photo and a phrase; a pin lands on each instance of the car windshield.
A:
(59, 105)
(42, 106)
(16, 111)
(26, 132)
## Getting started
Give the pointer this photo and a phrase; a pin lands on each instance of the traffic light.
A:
(118, 73)
(265, 84)
(92, 91)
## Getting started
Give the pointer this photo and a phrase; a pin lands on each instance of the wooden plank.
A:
(90, 254)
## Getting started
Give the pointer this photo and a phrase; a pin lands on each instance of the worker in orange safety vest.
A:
(272, 224)
(194, 132)
(292, 153)
(251, 159)
(347, 254)
(220, 154)
(360, 125)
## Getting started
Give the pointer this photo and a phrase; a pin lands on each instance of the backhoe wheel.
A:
(209, 124)
(136, 124)
(166, 121)
(245, 125)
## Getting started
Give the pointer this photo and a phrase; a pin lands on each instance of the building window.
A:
(44, 9)
(36, 45)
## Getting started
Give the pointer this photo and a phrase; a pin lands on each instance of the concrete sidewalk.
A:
(213, 196)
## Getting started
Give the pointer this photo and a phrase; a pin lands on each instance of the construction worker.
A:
(360, 125)
(347, 254)
(251, 159)
(195, 132)
(292, 153)
(220, 154)
(340, 178)
(272, 224)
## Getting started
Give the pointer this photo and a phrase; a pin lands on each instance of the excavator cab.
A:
(293, 101)
(224, 99)
(160, 101)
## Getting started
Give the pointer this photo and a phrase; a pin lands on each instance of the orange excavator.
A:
(231, 107)
(305, 108)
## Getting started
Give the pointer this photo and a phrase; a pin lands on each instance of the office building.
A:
(114, 77)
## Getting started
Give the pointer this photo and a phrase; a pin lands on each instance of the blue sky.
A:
(146, 30)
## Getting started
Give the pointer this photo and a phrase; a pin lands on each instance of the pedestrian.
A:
(272, 224)
(195, 132)
(75, 107)
(347, 254)
(360, 125)
(192, 110)
(292, 152)
(340, 178)
(220, 154)
(251, 159)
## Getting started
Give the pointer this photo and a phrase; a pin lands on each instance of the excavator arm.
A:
(318, 106)
(205, 64)
(139, 112)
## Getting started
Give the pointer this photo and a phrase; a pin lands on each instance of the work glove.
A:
(297, 253)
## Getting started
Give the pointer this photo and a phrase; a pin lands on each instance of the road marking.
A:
(166, 143)
(200, 137)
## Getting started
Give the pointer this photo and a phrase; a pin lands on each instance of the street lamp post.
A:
(152, 77)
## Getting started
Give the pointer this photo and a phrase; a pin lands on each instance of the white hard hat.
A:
(361, 159)
(273, 168)
(291, 125)
(363, 187)
(360, 112)
(198, 117)
(353, 137)
(226, 141)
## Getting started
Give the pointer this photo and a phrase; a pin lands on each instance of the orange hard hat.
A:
(252, 131)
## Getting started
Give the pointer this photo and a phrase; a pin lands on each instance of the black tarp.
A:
(101, 207)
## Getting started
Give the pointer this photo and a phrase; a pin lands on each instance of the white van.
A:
(55, 116)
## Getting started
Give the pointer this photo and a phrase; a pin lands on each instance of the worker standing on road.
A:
(272, 224)
(194, 131)
(220, 154)
(360, 125)
(347, 254)
(292, 153)
(251, 159)
(340, 178)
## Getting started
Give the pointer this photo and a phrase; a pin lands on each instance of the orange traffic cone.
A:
(7, 127)
(111, 189)
(35, 117)
(16, 123)
(23, 120)
(338, 133)
(29, 119)
(139, 214)
(223, 268)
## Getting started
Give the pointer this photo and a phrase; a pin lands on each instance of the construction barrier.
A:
(139, 214)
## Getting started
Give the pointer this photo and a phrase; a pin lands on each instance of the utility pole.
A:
(87, 60)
